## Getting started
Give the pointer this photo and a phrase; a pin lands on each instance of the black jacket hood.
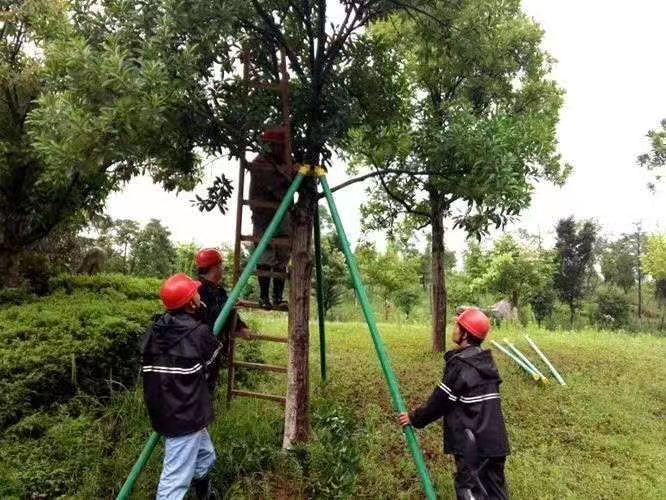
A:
(479, 359)
(171, 328)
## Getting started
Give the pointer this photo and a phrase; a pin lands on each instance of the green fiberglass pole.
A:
(543, 357)
(516, 359)
(525, 360)
(140, 464)
(148, 448)
(320, 294)
(398, 402)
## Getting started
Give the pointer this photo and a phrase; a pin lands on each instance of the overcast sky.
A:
(609, 57)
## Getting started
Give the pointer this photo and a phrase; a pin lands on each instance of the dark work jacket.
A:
(468, 398)
(268, 184)
(215, 296)
(180, 367)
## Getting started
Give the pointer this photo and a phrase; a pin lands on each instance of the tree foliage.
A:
(391, 275)
(612, 307)
(655, 159)
(153, 253)
(479, 117)
(514, 271)
(654, 259)
(654, 263)
(573, 260)
(619, 263)
(79, 115)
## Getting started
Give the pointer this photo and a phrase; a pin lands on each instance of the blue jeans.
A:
(185, 458)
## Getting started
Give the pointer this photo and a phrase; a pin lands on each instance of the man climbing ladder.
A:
(270, 177)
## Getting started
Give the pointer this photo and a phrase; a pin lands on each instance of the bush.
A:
(612, 308)
(56, 347)
(131, 287)
(35, 269)
(14, 296)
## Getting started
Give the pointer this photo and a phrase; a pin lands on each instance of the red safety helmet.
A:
(276, 135)
(474, 322)
(208, 257)
(178, 290)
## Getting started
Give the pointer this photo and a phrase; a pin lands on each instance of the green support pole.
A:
(518, 361)
(320, 295)
(396, 397)
(142, 461)
(543, 357)
(235, 293)
(525, 360)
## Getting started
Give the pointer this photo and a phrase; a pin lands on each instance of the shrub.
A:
(35, 269)
(57, 346)
(131, 287)
(14, 296)
(612, 307)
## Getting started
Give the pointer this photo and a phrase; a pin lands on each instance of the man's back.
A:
(180, 366)
(472, 377)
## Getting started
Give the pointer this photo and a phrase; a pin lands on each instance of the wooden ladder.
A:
(242, 202)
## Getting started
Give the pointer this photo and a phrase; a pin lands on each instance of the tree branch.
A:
(401, 201)
(376, 173)
(277, 35)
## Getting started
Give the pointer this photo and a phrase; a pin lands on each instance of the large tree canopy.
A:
(478, 127)
(77, 119)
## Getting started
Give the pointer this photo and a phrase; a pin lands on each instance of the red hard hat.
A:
(178, 290)
(208, 257)
(474, 322)
(275, 134)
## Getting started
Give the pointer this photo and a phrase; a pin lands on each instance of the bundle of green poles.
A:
(523, 361)
(234, 295)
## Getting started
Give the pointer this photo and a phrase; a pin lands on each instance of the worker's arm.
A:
(241, 326)
(440, 402)
(210, 350)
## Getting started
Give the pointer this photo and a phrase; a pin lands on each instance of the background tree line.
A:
(583, 279)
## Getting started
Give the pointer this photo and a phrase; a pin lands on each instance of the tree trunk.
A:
(297, 410)
(438, 277)
(572, 314)
(640, 272)
(9, 269)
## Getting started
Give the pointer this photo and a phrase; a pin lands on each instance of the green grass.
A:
(602, 436)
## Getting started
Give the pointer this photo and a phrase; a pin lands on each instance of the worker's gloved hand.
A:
(404, 420)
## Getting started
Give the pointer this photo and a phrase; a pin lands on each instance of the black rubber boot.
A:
(203, 489)
(264, 288)
(278, 291)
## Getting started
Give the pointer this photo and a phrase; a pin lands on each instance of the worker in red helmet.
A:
(180, 365)
(210, 269)
(468, 398)
(269, 183)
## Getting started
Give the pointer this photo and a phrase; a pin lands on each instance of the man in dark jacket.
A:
(269, 182)
(209, 267)
(468, 398)
(180, 364)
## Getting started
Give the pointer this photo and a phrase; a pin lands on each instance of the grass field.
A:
(602, 436)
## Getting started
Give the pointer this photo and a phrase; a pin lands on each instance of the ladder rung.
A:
(271, 274)
(283, 242)
(261, 366)
(248, 304)
(267, 338)
(259, 395)
(260, 204)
